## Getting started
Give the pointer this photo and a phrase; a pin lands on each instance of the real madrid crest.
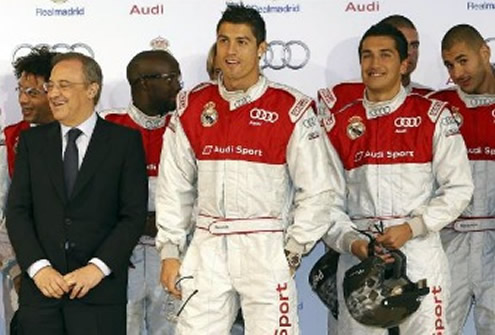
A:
(457, 116)
(209, 116)
(355, 128)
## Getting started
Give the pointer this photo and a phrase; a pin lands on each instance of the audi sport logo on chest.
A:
(404, 122)
(293, 55)
(259, 116)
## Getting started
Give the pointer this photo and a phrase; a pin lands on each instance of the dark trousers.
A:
(72, 317)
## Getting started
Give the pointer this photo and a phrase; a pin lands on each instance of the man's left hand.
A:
(83, 279)
(395, 237)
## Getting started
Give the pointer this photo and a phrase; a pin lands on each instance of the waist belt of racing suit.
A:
(228, 226)
(466, 224)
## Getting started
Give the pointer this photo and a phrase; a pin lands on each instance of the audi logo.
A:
(263, 115)
(292, 54)
(380, 111)
(407, 122)
(493, 113)
(25, 48)
(481, 101)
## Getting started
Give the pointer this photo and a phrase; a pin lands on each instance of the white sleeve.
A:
(452, 173)
(313, 173)
(176, 190)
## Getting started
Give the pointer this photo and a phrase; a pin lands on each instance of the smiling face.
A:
(70, 95)
(469, 67)
(33, 100)
(381, 67)
(238, 55)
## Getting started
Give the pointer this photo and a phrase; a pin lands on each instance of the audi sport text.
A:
(360, 155)
(231, 149)
(439, 325)
(284, 324)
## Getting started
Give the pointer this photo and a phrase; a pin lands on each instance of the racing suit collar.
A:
(145, 121)
(382, 108)
(476, 100)
(239, 98)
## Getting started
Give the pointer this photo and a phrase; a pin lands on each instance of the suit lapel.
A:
(97, 150)
(53, 154)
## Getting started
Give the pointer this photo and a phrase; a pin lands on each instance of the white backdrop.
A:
(117, 30)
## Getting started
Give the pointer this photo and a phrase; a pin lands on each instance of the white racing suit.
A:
(246, 156)
(401, 162)
(333, 99)
(146, 299)
(470, 241)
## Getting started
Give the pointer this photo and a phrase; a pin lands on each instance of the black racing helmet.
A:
(380, 294)
(323, 280)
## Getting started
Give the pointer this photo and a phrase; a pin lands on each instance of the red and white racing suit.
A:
(402, 161)
(10, 269)
(146, 297)
(470, 241)
(246, 156)
(333, 99)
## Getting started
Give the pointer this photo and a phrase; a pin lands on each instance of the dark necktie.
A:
(71, 160)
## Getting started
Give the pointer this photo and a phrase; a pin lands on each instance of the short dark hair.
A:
(133, 66)
(239, 13)
(385, 29)
(91, 69)
(462, 33)
(38, 62)
(398, 21)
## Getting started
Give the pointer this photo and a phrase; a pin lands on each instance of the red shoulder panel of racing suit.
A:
(152, 140)
(346, 93)
(12, 133)
(343, 94)
(477, 125)
(403, 136)
(246, 133)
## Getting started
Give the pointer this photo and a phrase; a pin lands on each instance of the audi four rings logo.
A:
(380, 111)
(481, 101)
(292, 54)
(25, 48)
(493, 113)
(263, 115)
(408, 122)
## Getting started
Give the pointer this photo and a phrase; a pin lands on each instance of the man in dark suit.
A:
(76, 208)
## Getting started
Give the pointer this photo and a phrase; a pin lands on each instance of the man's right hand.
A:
(168, 277)
(51, 283)
(359, 248)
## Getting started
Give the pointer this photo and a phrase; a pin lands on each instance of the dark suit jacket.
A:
(103, 218)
